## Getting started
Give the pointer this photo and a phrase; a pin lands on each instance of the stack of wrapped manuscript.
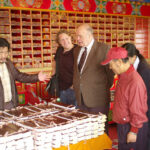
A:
(47, 126)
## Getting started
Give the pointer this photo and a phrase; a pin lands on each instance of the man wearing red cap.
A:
(130, 102)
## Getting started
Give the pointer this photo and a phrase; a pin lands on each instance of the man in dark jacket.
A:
(9, 74)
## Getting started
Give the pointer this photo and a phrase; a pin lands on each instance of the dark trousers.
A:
(96, 110)
(68, 97)
(141, 142)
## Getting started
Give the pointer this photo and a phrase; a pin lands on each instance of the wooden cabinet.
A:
(28, 31)
(32, 33)
(142, 36)
(5, 24)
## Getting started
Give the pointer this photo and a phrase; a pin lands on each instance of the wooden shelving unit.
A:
(142, 36)
(32, 33)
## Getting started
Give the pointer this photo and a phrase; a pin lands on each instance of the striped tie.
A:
(82, 59)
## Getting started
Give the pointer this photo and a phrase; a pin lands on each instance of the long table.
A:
(100, 143)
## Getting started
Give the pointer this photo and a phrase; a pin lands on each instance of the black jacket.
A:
(144, 70)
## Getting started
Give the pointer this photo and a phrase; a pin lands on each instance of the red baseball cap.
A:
(115, 53)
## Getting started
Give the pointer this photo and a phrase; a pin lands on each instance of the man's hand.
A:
(131, 137)
(71, 87)
(43, 76)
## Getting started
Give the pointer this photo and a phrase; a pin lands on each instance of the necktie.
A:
(82, 59)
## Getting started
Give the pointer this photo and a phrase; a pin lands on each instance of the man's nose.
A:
(65, 41)
(4, 55)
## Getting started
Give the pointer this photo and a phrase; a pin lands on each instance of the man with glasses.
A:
(9, 74)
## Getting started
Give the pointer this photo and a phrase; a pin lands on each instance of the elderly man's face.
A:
(83, 37)
(3, 54)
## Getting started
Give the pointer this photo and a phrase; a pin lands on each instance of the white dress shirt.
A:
(88, 51)
(136, 63)
(4, 75)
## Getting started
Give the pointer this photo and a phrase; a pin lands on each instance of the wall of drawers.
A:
(32, 33)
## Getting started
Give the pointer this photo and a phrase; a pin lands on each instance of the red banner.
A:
(40, 4)
(119, 8)
(145, 10)
(80, 5)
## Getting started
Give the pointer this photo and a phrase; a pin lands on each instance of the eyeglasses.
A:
(4, 53)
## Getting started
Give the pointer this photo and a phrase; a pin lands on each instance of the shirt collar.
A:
(136, 63)
(2, 64)
(90, 45)
(131, 68)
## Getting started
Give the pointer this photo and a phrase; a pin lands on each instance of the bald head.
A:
(86, 27)
(84, 35)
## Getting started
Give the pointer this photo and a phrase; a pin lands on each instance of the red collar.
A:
(131, 68)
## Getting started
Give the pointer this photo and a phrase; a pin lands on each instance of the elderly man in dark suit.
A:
(92, 81)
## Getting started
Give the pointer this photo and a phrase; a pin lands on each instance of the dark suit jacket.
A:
(15, 75)
(144, 70)
(95, 81)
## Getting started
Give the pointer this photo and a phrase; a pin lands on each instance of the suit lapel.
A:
(76, 57)
(90, 56)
